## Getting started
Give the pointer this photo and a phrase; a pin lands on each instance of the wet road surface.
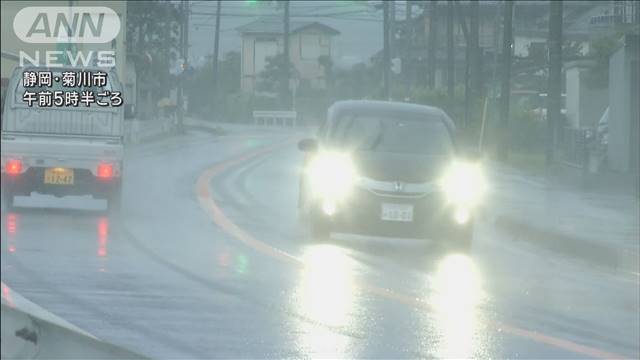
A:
(209, 259)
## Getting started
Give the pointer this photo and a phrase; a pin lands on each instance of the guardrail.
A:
(31, 332)
(275, 118)
(136, 131)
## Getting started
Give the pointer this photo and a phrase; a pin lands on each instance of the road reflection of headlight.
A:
(327, 292)
(464, 184)
(461, 215)
(326, 296)
(458, 292)
(331, 175)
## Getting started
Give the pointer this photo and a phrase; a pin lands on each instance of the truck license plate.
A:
(58, 176)
(397, 212)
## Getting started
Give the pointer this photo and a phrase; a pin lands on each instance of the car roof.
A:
(377, 106)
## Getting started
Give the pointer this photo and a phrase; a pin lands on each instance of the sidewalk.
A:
(225, 128)
(598, 227)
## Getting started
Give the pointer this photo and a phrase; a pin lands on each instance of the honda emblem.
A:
(398, 186)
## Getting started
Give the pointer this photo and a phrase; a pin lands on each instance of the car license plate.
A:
(58, 176)
(397, 212)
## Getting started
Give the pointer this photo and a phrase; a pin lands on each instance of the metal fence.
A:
(574, 146)
(275, 118)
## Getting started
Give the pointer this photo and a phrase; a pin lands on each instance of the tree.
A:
(286, 64)
(432, 43)
(467, 58)
(600, 51)
(216, 47)
(450, 53)
(152, 44)
(270, 79)
(359, 82)
(327, 66)
(198, 87)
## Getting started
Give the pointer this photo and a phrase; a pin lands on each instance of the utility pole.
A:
(468, 96)
(433, 48)
(407, 11)
(450, 54)
(554, 86)
(392, 28)
(386, 62)
(407, 63)
(184, 42)
(285, 76)
(474, 42)
(507, 42)
(216, 43)
(467, 59)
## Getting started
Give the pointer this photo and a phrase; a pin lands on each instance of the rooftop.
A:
(275, 26)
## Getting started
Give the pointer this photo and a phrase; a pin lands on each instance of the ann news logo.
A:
(67, 25)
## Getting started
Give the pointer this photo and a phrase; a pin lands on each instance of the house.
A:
(263, 38)
(582, 21)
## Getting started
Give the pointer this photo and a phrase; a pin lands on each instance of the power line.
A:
(205, 13)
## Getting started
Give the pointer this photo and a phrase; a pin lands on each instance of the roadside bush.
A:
(263, 102)
(311, 110)
(439, 98)
(526, 133)
(236, 107)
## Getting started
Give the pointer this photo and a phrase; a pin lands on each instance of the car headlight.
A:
(331, 175)
(464, 184)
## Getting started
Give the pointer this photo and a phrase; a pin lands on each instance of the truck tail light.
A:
(13, 167)
(105, 171)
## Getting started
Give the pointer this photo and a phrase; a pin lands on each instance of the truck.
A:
(66, 150)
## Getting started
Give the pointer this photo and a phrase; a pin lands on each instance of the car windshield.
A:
(394, 134)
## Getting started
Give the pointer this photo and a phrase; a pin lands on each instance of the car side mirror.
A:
(308, 145)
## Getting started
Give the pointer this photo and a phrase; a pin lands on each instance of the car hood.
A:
(399, 167)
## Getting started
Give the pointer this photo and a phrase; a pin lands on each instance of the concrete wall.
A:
(585, 104)
(623, 99)
(593, 103)
(573, 95)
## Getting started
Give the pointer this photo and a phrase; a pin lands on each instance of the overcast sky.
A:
(359, 23)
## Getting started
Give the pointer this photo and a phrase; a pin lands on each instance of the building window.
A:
(262, 51)
(311, 47)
